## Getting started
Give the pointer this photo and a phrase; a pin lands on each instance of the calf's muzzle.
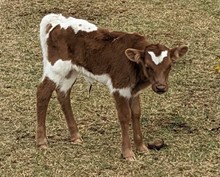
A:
(160, 88)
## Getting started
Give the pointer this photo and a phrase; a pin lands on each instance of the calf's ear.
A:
(133, 55)
(178, 52)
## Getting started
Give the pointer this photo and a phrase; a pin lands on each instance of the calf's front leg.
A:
(124, 115)
(135, 115)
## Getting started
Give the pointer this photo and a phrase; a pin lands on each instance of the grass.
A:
(187, 117)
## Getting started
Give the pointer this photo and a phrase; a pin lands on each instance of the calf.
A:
(126, 63)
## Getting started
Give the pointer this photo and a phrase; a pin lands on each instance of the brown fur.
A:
(124, 57)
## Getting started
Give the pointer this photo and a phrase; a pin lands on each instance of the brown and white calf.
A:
(126, 63)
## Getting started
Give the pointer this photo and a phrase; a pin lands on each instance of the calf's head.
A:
(156, 61)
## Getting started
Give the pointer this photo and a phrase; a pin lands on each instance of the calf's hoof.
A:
(76, 140)
(143, 149)
(42, 144)
(129, 156)
(130, 159)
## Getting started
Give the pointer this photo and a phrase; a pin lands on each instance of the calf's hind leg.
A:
(44, 92)
(64, 100)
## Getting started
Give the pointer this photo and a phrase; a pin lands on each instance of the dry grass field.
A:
(187, 117)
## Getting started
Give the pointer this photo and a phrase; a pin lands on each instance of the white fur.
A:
(158, 59)
(58, 72)
(54, 20)
(125, 92)
(76, 24)
(60, 69)
(105, 79)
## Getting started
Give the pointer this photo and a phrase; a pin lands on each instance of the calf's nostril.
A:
(161, 88)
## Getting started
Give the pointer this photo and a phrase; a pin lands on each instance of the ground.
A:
(187, 117)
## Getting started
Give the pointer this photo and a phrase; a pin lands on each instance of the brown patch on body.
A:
(57, 44)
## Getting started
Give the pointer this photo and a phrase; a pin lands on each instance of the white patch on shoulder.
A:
(158, 59)
(125, 92)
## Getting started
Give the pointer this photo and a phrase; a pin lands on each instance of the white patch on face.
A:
(158, 59)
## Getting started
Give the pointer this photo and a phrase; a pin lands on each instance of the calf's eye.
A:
(149, 69)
